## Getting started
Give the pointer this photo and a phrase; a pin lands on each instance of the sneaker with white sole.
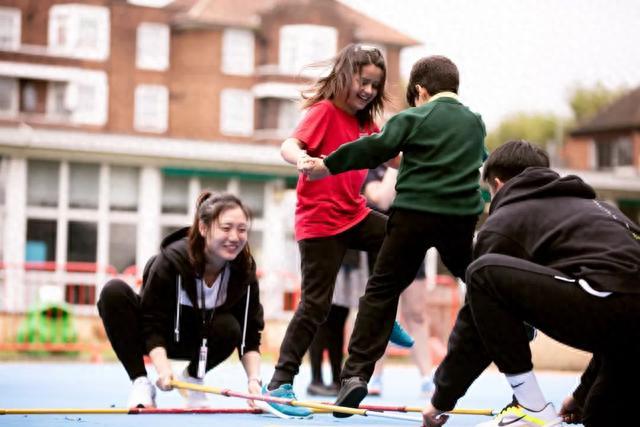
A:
(142, 394)
(400, 337)
(516, 415)
(193, 398)
(285, 391)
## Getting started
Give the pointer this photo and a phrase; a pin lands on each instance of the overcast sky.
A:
(521, 55)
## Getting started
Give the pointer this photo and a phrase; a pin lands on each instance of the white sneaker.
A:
(515, 415)
(193, 399)
(142, 394)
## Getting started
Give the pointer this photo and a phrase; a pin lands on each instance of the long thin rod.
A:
(458, 411)
(293, 402)
(126, 411)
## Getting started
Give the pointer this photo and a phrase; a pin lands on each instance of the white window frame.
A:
(238, 52)
(12, 32)
(12, 85)
(303, 44)
(70, 17)
(152, 46)
(237, 108)
(155, 121)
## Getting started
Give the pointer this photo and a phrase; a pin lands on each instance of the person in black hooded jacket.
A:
(552, 256)
(206, 265)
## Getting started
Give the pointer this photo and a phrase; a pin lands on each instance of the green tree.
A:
(587, 101)
(538, 128)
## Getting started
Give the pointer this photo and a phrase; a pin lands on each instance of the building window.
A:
(42, 183)
(10, 25)
(8, 96)
(122, 246)
(236, 112)
(87, 101)
(123, 188)
(289, 115)
(152, 46)
(30, 101)
(82, 241)
(217, 185)
(175, 194)
(79, 31)
(238, 55)
(302, 45)
(41, 240)
(57, 106)
(613, 153)
(252, 195)
(84, 185)
(151, 108)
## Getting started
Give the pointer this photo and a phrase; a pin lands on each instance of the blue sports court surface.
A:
(75, 385)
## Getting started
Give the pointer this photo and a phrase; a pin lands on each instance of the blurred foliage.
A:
(543, 128)
(585, 102)
(537, 128)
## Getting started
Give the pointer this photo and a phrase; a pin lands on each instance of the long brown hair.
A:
(209, 207)
(348, 62)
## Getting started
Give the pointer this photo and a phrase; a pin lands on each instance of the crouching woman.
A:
(198, 302)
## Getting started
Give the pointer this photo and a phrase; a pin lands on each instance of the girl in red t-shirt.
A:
(331, 214)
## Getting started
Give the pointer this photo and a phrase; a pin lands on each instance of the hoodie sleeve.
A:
(158, 303)
(368, 152)
(255, 316)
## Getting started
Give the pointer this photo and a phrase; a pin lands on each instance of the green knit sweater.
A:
(442, 145)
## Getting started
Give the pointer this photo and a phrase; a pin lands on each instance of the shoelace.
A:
(513, 404)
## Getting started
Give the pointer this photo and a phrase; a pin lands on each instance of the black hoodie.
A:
(557, 222)
(552, 221)
(160, 296)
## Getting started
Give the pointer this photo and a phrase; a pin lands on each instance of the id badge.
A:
(202, 359)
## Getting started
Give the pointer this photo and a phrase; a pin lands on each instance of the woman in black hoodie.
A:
(206, 265)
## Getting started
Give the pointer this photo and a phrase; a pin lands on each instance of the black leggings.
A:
(119, 307)
(329, 336)
(321, 259)
(504, 291)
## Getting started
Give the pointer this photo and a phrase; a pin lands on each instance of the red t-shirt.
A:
(331, 205)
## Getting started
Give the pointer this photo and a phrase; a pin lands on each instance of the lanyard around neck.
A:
(205, 321)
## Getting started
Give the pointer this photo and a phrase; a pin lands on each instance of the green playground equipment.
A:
(48, 324)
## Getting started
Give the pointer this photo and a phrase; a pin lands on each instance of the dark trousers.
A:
(409, 235)
(119, 307)
(321, 259)
(330, 336)
(503, 292)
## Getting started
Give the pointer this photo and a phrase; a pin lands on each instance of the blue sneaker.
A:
(400, 337)
(285, 391)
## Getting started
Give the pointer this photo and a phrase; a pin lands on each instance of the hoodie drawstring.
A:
(176, 329)
(244, 326)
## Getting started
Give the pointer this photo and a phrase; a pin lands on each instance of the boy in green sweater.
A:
(437, 203)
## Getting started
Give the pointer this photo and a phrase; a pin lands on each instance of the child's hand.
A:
(318, 170)
(304, 163)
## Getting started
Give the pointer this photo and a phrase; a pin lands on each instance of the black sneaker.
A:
(352, 391)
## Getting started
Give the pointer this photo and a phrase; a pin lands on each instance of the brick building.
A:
(605, 151)
(114, 114)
